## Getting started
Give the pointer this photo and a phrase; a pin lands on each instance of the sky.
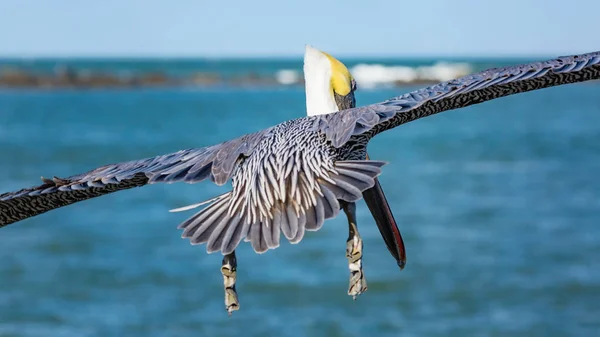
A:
(272, 28)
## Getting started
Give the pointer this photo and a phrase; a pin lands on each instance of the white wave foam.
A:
(444, 71)
(375, 75)
(288, 77)
(372, 75)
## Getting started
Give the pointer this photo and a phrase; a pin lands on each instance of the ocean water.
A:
(499, 206)
(225, 67)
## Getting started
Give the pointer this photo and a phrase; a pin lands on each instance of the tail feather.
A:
(315, 216)
(194, 223)
(301, 229)
(275, 227)
(234, 234)
(257, 238)
(223, 229)
(289, 222)
(219, 233)
(331, 206)
(208, 221)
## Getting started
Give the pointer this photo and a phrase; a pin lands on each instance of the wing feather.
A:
(192, 166)
(472, 89)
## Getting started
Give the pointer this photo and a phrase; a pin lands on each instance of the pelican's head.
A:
(329, 85)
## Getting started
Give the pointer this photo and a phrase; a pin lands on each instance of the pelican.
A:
(291, 177)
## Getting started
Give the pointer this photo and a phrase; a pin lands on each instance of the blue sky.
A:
(281, 28)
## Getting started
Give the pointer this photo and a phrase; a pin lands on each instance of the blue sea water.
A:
(224, 67)
(499, 206)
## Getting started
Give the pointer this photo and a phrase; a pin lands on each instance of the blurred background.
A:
(498, 203)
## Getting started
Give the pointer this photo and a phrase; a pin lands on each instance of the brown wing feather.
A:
(193, 165)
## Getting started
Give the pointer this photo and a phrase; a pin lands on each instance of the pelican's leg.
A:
(228, 269)
(354, 247)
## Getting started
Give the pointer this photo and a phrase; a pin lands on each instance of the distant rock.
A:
(65, 77)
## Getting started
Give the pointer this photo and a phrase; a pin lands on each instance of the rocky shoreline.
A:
(68, 78)
(366, 76)
(16, 78)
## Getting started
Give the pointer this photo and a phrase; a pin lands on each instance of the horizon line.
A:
(241, 56)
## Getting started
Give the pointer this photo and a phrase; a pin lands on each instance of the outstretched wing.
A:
(472, 89)
(218, 162)
(193, 165)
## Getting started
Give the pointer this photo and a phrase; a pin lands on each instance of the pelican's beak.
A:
(346, 101)
(381, 212)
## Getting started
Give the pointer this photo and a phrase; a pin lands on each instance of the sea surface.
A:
(499, 206)
(226, 67)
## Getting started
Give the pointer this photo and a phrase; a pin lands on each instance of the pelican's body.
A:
(285, 177)
(291, 177)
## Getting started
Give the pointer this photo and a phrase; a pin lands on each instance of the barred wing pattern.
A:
(193, 165)
(472, 89)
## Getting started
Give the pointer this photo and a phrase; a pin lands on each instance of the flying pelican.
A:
(330, 88)
(293, 176)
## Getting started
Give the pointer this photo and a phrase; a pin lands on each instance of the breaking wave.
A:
(377, 75)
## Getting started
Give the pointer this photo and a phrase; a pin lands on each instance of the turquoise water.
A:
(192, 72)
(224, 67)
(499, 205)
